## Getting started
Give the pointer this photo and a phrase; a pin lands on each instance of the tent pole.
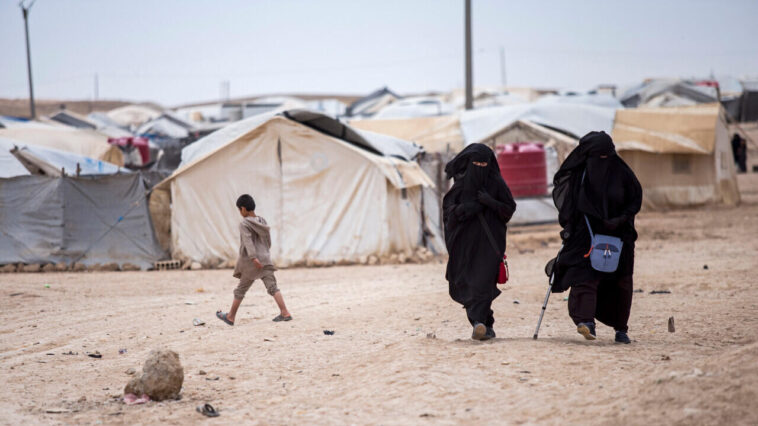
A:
(469, 83)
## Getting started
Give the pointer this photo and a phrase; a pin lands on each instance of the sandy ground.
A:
(381, 366)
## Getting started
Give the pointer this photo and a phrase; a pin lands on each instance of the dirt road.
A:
(401, 352)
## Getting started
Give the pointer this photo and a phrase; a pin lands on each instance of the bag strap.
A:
(592, 235)
(489, 234)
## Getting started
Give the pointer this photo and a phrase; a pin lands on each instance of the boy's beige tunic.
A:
(255, 242)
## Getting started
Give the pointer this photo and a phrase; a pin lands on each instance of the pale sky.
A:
(178, 51)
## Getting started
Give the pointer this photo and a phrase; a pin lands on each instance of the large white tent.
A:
(327, 198)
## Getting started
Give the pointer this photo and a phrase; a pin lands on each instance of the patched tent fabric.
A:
(91, 220)
(326, 199)
(682, 156)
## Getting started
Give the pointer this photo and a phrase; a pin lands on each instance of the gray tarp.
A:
(102, 219)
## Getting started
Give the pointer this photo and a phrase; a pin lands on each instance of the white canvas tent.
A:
(327, 199)
(682, 156)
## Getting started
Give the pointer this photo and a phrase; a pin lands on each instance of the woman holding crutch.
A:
(597, 196)
(475, 213)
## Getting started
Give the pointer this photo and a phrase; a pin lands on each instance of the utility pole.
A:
(25, 12)
(503, 81)
(469, 83)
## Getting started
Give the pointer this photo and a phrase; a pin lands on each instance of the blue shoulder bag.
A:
(605, 250)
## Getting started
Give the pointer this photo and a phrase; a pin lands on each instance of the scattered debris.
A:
(705, 267)
(132, 399)
(212, 379)
(16, 294)
(639, 290)
(505, 363)
(200, 290)
(47, 285)
(671, 325)
(329, 332)
(265, 339)
(131, 371)
(49, 353)
(95, 354)
(335, 375)
(660, 292)
(516, 302)
(426, 415)
(57, 410)
(202, 372)
(70, 353)
(431, 335)
(189, 302)
(525, 372)
(665, 358)
(198, 322)
(122, 351)
(565, 299)
(162, 377)
(207, 410)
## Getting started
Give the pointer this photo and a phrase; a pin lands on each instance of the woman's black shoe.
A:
(621, 337)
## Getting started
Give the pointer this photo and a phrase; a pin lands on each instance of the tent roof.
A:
(370, 103)
(384, 151)
(643, 93)
(85, 142)
(132, 115)
(73, 119)
(435, 134)
(573, 119)
(48, 160)
(673, 130)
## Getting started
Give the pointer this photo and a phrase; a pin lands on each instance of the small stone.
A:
(34, 267)
(671, 325)
(665, 358)
(82, 399)
(162, 377)
(705, 267)
(131, 371)
(202, 372)
(516, 302)
(431, 335)
(196, 266)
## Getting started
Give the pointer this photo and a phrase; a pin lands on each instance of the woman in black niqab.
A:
(597, 183)
(478, 191)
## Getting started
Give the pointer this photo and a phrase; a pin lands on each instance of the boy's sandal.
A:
(222, 316)
(281, 318)
(207, 410)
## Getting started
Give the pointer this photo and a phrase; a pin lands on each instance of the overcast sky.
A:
(176, 51)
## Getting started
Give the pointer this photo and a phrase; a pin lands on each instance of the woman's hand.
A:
(614, 223)
(485, 198)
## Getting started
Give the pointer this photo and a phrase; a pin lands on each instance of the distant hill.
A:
(20, 107)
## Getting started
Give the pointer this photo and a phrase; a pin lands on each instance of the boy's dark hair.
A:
(247, 202)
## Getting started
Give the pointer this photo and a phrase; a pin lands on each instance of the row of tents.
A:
(333, 190)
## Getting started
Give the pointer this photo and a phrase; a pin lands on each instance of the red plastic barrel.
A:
(523, 167)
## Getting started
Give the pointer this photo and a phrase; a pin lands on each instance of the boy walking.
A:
(254, 261)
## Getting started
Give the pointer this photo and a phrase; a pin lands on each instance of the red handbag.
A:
(502, 276)
(502, 273)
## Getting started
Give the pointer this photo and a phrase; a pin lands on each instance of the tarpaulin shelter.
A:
(91, 220)
(73, 119)
(330, 193)
(85, 142)
(372, 103)
(681, 155)
(20, 159)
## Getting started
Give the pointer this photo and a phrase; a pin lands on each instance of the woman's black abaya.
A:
(472, 267)
(595, 182)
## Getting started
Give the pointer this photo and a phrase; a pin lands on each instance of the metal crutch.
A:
(547, 296)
